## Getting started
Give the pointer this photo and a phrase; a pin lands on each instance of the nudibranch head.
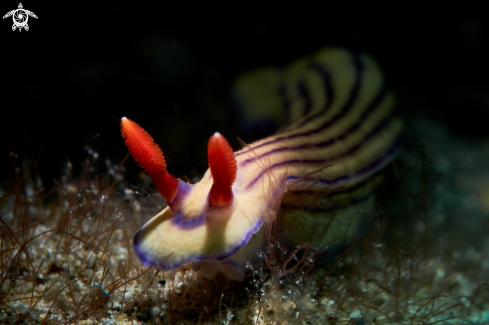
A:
(209, 223)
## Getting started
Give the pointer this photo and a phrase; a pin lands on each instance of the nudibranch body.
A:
(339, 132)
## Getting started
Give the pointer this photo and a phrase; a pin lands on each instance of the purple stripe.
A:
(353, 201)
(183, 223)
(377, 100)
(182, 192)
(353, 95)
(286, 103)
(384, 159)
(143, 257)
(301, 88)
(385, 122)
(395, 147)
(148, 260)
(243, 242)
(326, 77)
(348, 190)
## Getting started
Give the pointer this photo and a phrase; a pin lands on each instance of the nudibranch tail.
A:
(149, 156)
(223, 169)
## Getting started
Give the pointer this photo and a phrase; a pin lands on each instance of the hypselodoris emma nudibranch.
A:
(339, 131)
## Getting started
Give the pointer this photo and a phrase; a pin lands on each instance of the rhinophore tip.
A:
(149, 156)
(223, 169)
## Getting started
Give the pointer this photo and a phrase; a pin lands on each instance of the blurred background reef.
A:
(169, 67)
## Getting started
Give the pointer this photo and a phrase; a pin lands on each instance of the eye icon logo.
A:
(20, 17)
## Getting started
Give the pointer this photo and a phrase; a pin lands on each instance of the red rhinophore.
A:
(149, 156)
(223, 169)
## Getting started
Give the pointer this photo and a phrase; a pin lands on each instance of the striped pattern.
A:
(340, 115)
(321, 167)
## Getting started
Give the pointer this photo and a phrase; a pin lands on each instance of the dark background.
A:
(67, 81)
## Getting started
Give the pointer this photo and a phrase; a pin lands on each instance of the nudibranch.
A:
(339, 132)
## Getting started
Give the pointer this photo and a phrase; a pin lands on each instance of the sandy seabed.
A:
(66, 255)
